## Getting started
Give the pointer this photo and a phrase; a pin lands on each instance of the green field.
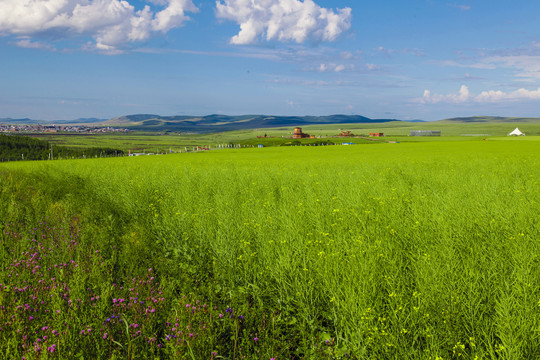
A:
(416, 250)
(394, 131)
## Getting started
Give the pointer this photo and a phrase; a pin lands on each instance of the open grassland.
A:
(394, 131)
(136, 142)
(447, 127)
(425, 250)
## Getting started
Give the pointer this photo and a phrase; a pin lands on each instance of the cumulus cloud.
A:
(112, 23)
(460, 97)
(484, 97)
(520, 94)
(283, 20)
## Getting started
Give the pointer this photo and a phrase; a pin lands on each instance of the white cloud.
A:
(283, 20)
(112, 23)
(520, 94)
(527, 67)
(484, 97)
(524, 62)
(334, 67)
(372, 67)
(461, 97)
(347, 55)
(29, 44)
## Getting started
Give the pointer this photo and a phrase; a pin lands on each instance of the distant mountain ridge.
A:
(498, 119)
(27, 121)
(219, 123)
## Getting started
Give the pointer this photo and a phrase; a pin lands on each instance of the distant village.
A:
(58, 128)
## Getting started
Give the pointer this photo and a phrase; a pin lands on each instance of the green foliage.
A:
(13, 148)
(399, 251)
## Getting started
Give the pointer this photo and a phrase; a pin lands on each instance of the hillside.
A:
(216, 123)
(28, 121)
(492, 119)
(220, 123)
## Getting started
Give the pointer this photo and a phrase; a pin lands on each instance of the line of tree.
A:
(15, 147)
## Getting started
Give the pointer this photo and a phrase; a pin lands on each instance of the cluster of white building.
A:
(10, 128)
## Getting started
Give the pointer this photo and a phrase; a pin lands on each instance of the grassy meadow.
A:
(394, 131)
(416, 250)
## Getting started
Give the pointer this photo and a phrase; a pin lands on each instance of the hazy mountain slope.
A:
(492, 119)
(219, 123)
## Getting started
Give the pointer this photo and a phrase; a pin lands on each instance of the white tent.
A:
(516, 133)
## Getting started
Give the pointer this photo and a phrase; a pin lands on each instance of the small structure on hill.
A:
(425, 133)
(516, 133)
(298, 134)
(376, 134)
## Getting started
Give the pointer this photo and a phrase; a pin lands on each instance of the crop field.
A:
(416, 250)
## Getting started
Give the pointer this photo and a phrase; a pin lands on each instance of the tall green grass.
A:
(420, 250)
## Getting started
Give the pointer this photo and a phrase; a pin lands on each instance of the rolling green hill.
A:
(220, 123)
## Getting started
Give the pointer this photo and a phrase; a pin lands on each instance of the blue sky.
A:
(417, 59)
